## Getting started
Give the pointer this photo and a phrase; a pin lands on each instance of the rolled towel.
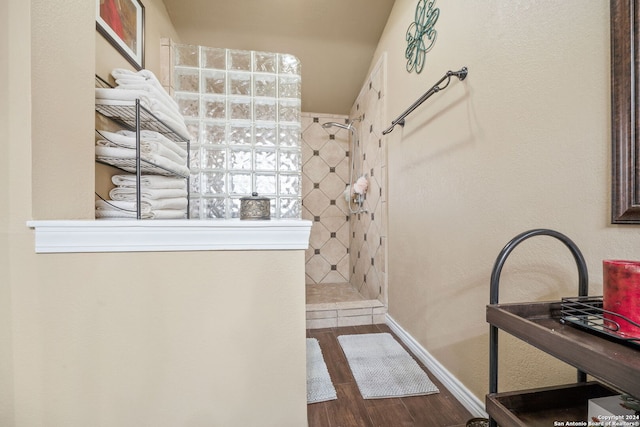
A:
(121, 209)
(109, 154)
(158, 106)
(117, 214)
(157, 93)
(149, 181)
(123, 72)
(178, 126)
(124, 77)
(129, 193)
(150, 101)
(153, 136)
(168, 214)
(122, 205)
(175, 203)
(118, 96)
(146, 150)
(146, 147)
(127, 97)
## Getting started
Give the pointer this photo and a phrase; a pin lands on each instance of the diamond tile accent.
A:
(333, 218)
(317, 268)
(319, 236)
(333, 153)
(333, 251)
(315, 136)
(315, 169)
(333, 186)
(316, 202)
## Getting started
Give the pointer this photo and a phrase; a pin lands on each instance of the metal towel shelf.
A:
(461, 74)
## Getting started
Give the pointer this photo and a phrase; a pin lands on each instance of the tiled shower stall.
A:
(243, 110)
(347, 247)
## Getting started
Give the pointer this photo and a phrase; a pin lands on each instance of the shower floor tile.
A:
(331, 293)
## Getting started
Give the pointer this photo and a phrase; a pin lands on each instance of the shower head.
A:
(347, 126)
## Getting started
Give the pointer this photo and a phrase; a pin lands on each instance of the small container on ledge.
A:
(255, 207)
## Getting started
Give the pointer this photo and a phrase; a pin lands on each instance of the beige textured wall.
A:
(163, 339)
(62, 52)
(15, 185)
(522, 143)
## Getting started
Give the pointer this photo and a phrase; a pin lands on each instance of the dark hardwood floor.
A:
(351, 410)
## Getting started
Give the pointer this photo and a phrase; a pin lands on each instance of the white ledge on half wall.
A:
(66, 236)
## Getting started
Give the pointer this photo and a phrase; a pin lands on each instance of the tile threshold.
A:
(346, 313)
(342, 305)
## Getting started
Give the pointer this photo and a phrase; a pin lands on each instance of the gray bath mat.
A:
(319, 385)
(382, 368)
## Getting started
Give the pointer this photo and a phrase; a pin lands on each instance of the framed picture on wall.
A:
(121, 22)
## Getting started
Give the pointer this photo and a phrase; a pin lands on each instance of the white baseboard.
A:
(457, 389)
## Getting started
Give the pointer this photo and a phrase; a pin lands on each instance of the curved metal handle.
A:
(583, 277)
(583, 288)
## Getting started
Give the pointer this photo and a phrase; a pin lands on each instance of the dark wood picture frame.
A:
(121, 22)
(625, 153)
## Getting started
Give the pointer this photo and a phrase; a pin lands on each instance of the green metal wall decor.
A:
(424, 21)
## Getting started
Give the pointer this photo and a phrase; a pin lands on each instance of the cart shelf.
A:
(542, 407)
(539, 325)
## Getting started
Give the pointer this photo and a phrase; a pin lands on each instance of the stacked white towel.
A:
(146, 87)
(117, 209)
(161, 197)
(149, 181)
(155, 148)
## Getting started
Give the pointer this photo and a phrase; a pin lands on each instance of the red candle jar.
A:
(621, 294)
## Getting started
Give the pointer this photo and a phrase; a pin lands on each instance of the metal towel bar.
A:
(461, 74)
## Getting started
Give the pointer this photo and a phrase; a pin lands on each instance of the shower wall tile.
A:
(324, 179)
(319, 236)
(317, 268)
(333, 153)
(334, 251)
(369, 230)
(315, 168)
(316, 202)
(342, 170)
(347, 247)
(333, 186)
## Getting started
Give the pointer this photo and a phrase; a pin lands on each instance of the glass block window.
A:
(243, 108)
